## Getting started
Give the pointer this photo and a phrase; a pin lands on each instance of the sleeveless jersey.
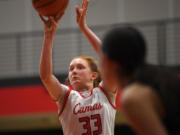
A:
(167, 85)
(87, 113)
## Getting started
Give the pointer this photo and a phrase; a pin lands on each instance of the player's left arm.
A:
(112, 93)
(90, 35)
(140, 106)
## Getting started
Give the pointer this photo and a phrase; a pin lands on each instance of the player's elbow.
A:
(44, 76)
(55, 98)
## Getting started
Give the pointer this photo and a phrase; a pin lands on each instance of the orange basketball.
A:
(50, 7)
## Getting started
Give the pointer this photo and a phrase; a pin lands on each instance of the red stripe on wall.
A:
(25, 100)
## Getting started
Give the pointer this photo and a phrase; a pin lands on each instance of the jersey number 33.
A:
(96, 120)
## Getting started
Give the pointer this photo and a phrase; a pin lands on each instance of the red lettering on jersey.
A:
(83, 109)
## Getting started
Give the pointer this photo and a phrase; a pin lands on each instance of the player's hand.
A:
(51, 24)
(58, 16)
(81, 14)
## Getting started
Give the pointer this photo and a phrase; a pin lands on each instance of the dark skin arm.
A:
(140, 108)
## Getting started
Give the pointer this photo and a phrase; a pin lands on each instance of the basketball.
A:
(50, 7)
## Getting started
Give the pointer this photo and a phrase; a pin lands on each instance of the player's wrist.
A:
(49, 35)
(83, 27)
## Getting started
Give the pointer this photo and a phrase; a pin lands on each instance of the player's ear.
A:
(94, 75)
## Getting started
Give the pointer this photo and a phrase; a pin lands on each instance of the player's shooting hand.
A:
(58, 16)
(81, 14)
(51, 24)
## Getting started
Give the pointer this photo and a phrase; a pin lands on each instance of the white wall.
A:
(19, 15)
(12, 16)
(177, 8)
(139, 10)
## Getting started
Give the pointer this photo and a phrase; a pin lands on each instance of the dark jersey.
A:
(167, 85)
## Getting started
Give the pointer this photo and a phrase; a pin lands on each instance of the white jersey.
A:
(87, 113)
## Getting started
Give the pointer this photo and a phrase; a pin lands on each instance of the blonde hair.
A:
(93, 64)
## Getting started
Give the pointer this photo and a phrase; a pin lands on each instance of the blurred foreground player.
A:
(150, 94)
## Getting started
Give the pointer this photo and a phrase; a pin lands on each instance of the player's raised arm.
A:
(81, 21)
(91, 36)
(46, 74)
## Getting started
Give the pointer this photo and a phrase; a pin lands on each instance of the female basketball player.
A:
(150, 94)
(85, 109)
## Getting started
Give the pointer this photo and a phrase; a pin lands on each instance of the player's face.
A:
(80, 74)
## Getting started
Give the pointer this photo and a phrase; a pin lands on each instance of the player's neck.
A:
(88, 87)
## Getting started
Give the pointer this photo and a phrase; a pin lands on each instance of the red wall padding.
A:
(25, 100)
